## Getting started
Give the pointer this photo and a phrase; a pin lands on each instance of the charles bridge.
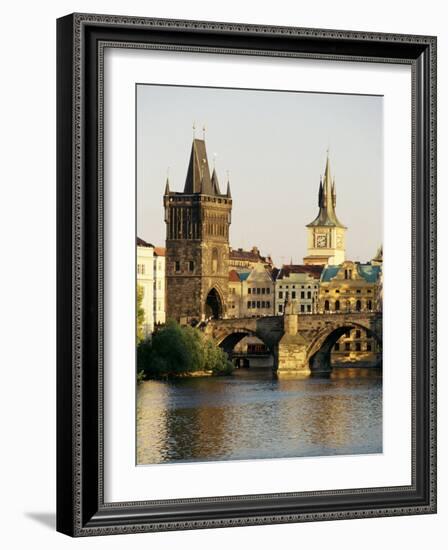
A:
(299, 343)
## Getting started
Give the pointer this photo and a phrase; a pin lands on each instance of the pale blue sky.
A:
(274, 146)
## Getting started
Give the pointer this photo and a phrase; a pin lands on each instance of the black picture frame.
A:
(81, 510)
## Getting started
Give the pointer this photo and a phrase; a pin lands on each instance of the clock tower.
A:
(326, 234)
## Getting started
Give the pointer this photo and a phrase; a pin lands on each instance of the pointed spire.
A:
(228, 193)
(320, 199)
(167, 186)
(333, 191)
(215, 183)
(327, 200)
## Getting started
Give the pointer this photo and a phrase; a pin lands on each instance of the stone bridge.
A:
(299, 343)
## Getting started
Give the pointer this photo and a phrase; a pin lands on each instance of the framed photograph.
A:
(246, 274)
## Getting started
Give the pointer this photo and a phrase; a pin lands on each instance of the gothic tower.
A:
(326, 234)
(197, 243)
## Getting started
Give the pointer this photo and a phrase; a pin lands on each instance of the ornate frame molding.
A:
(81, 42)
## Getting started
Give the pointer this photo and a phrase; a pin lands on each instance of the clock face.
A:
(321, 241)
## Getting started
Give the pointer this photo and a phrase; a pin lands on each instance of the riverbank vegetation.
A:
(174, 351)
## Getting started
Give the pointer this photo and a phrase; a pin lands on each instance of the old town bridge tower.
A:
(197, 243)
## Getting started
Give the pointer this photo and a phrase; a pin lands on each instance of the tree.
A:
(176, 351)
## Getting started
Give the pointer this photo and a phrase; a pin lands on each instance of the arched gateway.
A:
(213, 305)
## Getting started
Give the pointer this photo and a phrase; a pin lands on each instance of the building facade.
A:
(240, 259)
(326, 234)
(350, 287)
(159, 286)
(145, 280)
(197, 243)
(251, 293)
(300, 284)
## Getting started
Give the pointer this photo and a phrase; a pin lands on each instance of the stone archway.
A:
(213, 305)
(319, 353)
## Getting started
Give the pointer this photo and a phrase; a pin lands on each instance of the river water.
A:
(253, 415)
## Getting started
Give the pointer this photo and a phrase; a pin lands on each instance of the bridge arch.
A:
(231, 339)
(319, 350)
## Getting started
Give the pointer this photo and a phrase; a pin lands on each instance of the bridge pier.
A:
(292, 350)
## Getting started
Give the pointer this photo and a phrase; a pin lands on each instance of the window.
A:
(263, 291)
(358, 305)
(358, 334)
(347, 346)
(308, 295)
(308, 308)
(293, 294)
(337, 291)
(369, 291)
(336, 346)
(348, 273)
(337, 305)
(280, 308)
(248, 305)
(177, 266)
(369, 346)
(191, 265)
(258, 304)
(369, 304)
(215, 261)
(268, 304)
(358, 291)
(268, 291)
(263, 304)
(302, 308)
(302, 294)
(249, 290)
(258, 290)
(280, 295)
(327, 305)
(358, 346)
(253, 304)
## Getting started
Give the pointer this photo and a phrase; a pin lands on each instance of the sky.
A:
(273, 146)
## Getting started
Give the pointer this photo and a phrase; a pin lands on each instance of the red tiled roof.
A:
(249, 255)
(159, 251)
(233, 276)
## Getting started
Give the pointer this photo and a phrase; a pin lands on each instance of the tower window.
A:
(191, 265)
(177, 266)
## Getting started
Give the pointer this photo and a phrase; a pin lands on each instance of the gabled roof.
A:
(159, 251)
(248, 255)
(233, 276)
(311, 270)
(141, 242)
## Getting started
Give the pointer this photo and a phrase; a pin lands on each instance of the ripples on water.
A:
(252, 415)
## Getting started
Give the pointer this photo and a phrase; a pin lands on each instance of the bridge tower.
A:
(326, 234)
(197, 243)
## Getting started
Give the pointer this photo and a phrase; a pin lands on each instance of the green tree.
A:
(176, 351)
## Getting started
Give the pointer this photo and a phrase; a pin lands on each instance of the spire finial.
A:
(194, 129)
(203, 132)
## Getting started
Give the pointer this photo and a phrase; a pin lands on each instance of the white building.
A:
(299, 283)
(145, 280)
(159, 285)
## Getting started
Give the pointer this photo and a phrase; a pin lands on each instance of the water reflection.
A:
(253, 415)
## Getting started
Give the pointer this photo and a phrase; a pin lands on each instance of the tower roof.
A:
(326, 201)
(198, 175)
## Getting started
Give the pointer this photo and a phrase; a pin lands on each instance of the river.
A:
(253, 415)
